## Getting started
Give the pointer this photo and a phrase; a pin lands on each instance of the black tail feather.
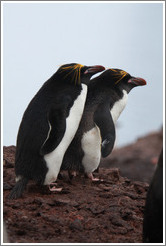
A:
(18, 188)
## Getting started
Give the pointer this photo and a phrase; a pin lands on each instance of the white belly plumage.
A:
(54, 159)
(91, 140)
(119, 106)
(91, 145)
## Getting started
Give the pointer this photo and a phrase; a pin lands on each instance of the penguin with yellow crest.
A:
(95, 137)
(49, 125)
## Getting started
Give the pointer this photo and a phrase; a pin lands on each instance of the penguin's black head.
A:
(77, 73)
(119, 79)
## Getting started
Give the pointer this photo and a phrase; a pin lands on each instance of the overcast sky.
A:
(39, 37)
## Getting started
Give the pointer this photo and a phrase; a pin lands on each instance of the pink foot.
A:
(90, 175)
(52, 187)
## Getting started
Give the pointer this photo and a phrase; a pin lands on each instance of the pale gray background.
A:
(39, 37)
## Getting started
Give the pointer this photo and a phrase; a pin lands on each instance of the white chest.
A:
(54, 159)
(119, 106)
(91, 145)
(73, 120)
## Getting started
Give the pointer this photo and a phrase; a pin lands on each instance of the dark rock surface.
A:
(109, 211)
(137, 161)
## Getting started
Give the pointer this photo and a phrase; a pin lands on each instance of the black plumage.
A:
(103, 92)
(44, 122)
(153, 214)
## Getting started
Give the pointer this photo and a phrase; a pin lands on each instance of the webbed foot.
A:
(52, 187)
(90, 175)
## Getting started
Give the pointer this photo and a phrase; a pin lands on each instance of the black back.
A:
(103, 92)
(56, 95)
(100, 92)
(153, 214)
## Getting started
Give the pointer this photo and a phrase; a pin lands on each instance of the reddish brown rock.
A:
(110, 211)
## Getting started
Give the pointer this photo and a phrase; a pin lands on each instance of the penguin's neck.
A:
(118, 106)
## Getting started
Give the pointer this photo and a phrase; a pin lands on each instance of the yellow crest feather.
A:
(119, 75)
(76, 70)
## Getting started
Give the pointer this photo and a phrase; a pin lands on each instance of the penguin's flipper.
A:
(107, 145)
(57, 127)
(103, 119)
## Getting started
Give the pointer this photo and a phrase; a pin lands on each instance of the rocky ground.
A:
(137, 161)
(109, 211)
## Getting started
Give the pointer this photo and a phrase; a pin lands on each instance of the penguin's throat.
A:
(119, 106)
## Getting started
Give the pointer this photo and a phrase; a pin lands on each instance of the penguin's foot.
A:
(52, 187)
(90, 175)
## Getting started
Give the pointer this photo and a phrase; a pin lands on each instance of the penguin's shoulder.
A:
(65, 110)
